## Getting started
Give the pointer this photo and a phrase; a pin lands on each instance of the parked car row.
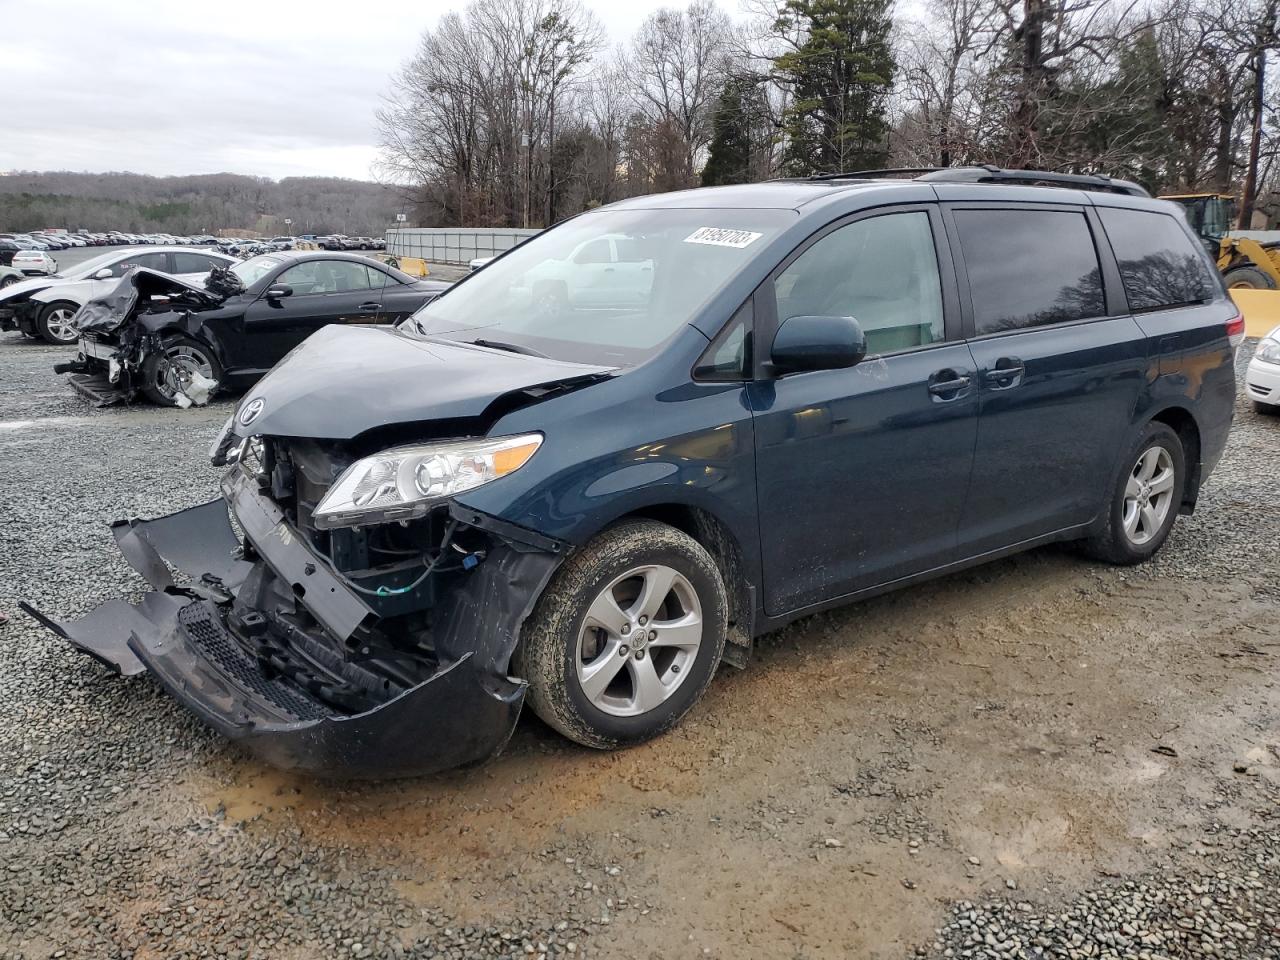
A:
(338, 241)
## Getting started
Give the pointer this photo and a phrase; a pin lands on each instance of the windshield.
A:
(255, 268)
(607, 287)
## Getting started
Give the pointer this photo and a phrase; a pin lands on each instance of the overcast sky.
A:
(272, 88)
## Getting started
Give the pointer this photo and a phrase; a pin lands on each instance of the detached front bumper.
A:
(464, 713)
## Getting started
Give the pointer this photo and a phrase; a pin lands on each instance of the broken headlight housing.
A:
(404, 482)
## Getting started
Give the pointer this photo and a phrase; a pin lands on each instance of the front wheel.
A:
(183, 369)
(54, 323)
(1146, 499)
(626, 637)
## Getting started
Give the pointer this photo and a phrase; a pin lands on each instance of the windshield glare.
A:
(607, 287)
(255, 268)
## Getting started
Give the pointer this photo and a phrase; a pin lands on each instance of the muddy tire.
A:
(1145, 501)
(1249, 278)
(626, 637)
(158, 371)
(53, 323)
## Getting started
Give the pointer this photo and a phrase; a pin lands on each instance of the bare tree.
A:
(679, 60)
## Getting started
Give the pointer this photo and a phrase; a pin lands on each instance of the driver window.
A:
(325, 276)
(882, 271)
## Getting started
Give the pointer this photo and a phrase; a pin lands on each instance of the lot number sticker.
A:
(720, 237)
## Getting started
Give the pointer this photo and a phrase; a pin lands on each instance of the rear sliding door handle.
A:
(1006, 373)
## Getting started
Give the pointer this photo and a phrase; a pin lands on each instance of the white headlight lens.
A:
(1268, 351)
(402, 483)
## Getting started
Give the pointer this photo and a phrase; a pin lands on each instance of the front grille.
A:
(204, 628)
(1260, 391)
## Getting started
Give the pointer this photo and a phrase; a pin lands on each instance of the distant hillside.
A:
(198, 204)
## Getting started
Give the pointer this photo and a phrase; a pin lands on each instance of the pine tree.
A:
(840, 78)
(729, 156)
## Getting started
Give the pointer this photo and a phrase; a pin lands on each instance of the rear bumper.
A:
(181, 634)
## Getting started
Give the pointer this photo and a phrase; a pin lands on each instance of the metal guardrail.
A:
(454, 244)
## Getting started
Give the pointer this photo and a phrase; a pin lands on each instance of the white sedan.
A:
(1262, 379)
(34, 262)
(43, 306)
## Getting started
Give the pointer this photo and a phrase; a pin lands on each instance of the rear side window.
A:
(1159, 265)
(1029, 268)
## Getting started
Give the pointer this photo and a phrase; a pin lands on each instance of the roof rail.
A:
(885, 171)
(988, 173)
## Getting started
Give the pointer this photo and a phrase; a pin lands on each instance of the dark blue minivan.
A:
(590, 473)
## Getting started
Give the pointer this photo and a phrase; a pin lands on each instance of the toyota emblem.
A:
(251, 411)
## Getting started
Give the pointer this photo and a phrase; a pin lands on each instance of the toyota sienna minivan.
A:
(587, 475)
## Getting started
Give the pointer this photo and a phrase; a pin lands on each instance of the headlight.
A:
(1268, 351)
(402, 483)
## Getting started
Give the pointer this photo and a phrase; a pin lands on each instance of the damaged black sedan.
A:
(589, 474)
(178, 340)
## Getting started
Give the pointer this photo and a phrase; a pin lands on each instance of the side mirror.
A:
(279, 292)
(102, 274)
(817, 343)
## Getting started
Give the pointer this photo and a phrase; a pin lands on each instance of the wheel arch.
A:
(718, 539)
(1183, 422)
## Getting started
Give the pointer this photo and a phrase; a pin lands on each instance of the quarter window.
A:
(882, 271)
(1159, 265)
(1029, 268)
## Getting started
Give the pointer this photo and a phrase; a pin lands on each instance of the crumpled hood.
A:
(342, 381)
(108, 312)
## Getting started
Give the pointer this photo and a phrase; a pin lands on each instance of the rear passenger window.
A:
(1159, 265)
(1029, 268)
(882, 271)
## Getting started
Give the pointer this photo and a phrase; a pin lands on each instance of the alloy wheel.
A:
(60, 326)
(1148, 495)
(639, 640)
(181, 363)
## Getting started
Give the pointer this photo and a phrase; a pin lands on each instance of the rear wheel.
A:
(1249, 278)
(8, 281)
(626, 637)
(1146, 499)
(54, 323)
(174, 369)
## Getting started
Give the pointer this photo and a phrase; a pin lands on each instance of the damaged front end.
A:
(355, 651)
(124, 338)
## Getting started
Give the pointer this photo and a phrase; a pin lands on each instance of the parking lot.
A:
(1040, 753)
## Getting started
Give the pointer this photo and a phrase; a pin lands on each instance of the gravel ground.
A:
(1043, 757)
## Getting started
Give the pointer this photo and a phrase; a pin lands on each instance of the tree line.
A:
(520, 113)
(136, 203)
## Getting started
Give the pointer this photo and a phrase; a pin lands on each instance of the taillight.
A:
(1235, 329)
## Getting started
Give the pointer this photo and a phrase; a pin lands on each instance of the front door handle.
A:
(947, 385)
(371, 305)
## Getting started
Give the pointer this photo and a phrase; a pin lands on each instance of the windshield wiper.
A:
(510, 348)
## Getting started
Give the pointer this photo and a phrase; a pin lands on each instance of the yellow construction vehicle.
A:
(1244, 263)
